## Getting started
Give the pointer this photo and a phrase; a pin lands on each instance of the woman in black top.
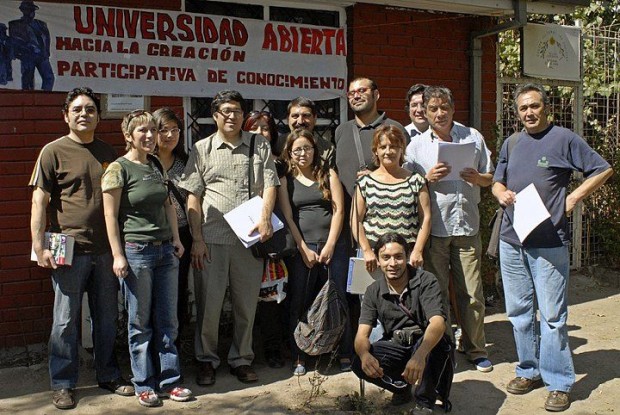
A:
(312, 201)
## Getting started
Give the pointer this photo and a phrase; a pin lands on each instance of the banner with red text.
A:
(57, 47)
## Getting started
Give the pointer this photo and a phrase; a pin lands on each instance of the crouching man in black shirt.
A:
(414, 349)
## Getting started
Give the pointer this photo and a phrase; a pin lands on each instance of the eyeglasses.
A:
(396, 383)
(259, 113)
(361, 90)
(173, 131)
(227, 112)
(77, 110)
(299, 150)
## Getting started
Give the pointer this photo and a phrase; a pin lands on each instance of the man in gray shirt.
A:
(217, 177)
(454, 245)
(363, 95)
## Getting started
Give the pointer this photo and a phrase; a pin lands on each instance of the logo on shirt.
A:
(543, 162)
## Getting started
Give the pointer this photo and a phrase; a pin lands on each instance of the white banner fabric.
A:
(160, 52)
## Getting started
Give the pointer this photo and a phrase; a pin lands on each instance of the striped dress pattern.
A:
(391, 207)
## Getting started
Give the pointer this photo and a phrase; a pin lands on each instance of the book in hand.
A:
(61, 246)
(245, 216)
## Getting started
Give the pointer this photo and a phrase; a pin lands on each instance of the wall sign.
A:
(551, 51)
(158, 52)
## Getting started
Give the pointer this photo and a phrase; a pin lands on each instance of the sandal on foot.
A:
(118, 386)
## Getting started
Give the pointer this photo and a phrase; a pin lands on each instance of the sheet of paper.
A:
(529, 212)
(458, 156)
(359, 278)
(245, 216)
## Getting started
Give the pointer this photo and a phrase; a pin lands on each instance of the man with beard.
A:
(302, 116)
(351, 159)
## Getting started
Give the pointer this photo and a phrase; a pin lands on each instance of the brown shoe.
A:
(244, 373)
(557, 401)
(63, 399)
(521, 386)
(206, 374)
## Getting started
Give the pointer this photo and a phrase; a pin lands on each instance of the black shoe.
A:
(63, 399)
(244, 373)
(206, 374)
(402, 398)
(118, 386)
(274, 359)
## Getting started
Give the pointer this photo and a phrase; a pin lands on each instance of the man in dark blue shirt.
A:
(535, 270)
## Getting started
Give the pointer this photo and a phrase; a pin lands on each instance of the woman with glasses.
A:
(390, 199)
(312, 201)
(142, 228)
(170, 150)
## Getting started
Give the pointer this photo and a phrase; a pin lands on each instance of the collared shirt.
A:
(422, 297)
(412, 130)
(217, 172)
(454, 203)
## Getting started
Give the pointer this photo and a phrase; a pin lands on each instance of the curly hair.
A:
(320, 171)
(395, 137)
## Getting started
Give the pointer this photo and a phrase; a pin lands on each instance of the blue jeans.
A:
(151, 290)
(303, 280)
(539, 277)
(91, 273)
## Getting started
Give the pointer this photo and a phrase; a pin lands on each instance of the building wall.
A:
(400, 47)
(395, 47)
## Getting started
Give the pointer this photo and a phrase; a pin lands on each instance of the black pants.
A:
(183, 311)
(436, 379)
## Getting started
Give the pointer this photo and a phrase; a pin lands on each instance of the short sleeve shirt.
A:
(217, 172)
(141, 214)
(454, 203)
(546, 160)
(71, 173)
(422, 297)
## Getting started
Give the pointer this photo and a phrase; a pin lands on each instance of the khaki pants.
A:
(231, 265)
(461, 255)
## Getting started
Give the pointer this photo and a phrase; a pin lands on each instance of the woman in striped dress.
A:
(390, 199)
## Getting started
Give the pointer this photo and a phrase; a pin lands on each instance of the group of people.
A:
(144, 218)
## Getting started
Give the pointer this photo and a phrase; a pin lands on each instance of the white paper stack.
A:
(245, 216)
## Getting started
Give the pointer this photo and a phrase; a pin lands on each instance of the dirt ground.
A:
(594, 326)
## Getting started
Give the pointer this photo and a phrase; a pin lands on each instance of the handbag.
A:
(275, 280)
(496, 225)
(281, 244)
(496, 221)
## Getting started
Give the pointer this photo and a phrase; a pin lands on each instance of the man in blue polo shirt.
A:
(535, 271)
